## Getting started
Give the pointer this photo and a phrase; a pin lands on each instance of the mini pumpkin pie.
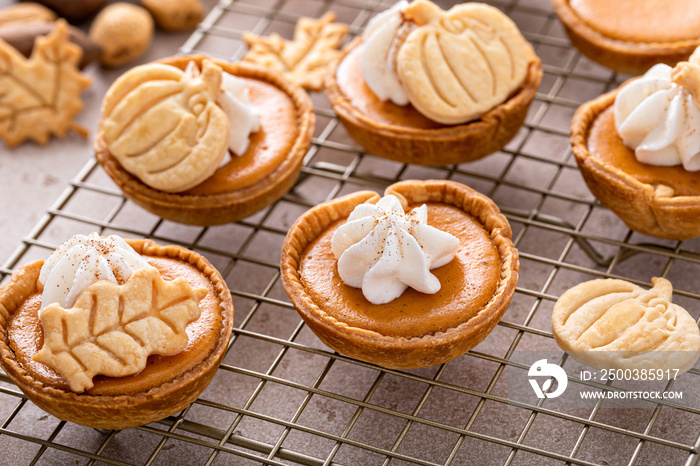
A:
(638, 150)
(114, 334)
(203, 142)
(412, 279)
(434, 87)
(630, 36)
(615, 324)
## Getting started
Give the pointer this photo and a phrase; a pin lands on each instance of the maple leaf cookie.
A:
(41, 95)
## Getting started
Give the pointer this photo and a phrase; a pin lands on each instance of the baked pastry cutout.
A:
(203, 142)
(614, 324)
(305, 59)
(638, 150)
(114, 334)
(164, 125)
(631, 36)
(94, 338)
(41, 95)
(428, 86)
(412, 279)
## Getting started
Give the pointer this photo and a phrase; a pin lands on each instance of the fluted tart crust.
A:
(605, 32)
(243, 185)
(167, 384)
(416, 329)
(658, 201)
(401, 133)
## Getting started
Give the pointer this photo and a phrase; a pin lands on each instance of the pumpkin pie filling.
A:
(25, 338)
(468, 282)
(635, 21)
(412, 279)
(268, 148)
(605, 144)
(355, 89)
(629, 36)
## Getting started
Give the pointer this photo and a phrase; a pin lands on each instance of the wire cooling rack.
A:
(282, 397)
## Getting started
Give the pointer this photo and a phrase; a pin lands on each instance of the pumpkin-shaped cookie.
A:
(458, 64)
(163, 124)
(615, 324)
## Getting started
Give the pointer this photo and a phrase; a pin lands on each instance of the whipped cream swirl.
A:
(378, 54)
(234, 100)
(384, 250)
(659, 119)
(84, 260)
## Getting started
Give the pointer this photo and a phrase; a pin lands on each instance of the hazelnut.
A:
(26, 13)
(175, 15)
(124, 31)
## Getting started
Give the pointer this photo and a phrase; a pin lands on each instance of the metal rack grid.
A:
(281, 397)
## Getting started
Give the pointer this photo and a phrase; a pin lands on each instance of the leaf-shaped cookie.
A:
(112, 329)
(40, 96)
(305, 59)
(615, 324)
(163, 124)
(460, 63)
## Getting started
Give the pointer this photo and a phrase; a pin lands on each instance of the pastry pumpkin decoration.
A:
(458, 64)
(163, 124)
(611, 324)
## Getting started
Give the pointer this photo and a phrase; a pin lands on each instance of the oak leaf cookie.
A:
(163, 124)
(614, 324)
(40, 96)
(108, 341)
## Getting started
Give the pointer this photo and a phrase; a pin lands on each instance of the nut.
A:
(75, 11)
(124, 31)
(21, 36)
(175, 15)
(26, 13)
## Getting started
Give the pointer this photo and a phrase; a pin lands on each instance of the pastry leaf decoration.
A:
(112, 329)
(305, 59)
(39, 96)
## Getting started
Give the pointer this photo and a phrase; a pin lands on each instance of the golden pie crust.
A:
(401, 133)
(243, 185)
(657, 201)
(167, 385)
(629, 36)
(415, 330)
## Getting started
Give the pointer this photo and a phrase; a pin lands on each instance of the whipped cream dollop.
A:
(384, 250)
(234, 100)
(84, 260)
(658, 118)
(377, 63)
